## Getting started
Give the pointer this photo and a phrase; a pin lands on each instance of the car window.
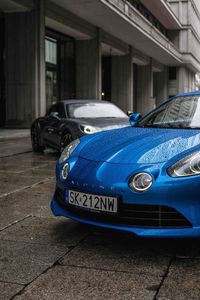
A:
(180, 112)
(94, 110)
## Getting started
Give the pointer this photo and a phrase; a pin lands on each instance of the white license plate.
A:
(93, 202)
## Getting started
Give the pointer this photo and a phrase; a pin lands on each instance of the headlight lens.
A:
(141, 182)
(68, 150)
(187, 166)
(88, 129)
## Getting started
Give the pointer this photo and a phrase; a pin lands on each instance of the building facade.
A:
(135, 53)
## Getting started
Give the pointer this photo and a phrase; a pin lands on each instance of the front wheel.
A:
(35, 140)
(66, 139)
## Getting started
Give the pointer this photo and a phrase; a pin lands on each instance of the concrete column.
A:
(192, 87)
(122, 81)
(182, 80)
(145, 99)
(88, 69)
(25, 69)
(160, 83)
(40, 75)
(186, 80)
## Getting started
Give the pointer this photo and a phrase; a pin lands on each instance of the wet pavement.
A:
(44, 257)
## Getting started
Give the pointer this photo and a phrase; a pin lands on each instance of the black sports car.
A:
(70, 119)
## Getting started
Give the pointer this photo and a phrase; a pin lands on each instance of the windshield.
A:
(94, 110)
(181, 112)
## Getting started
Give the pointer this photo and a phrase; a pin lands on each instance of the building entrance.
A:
(60, 67)
(106, 63)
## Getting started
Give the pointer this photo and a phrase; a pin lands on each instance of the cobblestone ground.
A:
(43, 257)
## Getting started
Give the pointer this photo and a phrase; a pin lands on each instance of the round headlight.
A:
(65, 171)
(141, 182)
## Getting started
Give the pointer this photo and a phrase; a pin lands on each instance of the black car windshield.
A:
(180, 112)
(94, 110)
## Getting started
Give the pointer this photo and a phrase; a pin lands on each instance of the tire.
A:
(35, 141)
(66, 139)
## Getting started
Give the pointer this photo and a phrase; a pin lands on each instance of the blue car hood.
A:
(139, 145)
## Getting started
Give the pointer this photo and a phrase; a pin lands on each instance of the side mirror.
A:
(55, 115)
(134, 118)
(129, 113)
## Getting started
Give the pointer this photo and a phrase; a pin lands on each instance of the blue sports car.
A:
(144, 179)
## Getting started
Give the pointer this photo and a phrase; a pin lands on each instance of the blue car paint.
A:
(134, 118)
(140, 145)
(103, 163)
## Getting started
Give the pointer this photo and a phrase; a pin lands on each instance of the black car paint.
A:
(51, 128)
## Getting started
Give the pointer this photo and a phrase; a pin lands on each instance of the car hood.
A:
(104, 123)
(139, 145)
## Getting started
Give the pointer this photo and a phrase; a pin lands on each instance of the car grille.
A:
(153, 216)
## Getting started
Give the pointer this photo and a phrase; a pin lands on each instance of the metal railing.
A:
(148, 15)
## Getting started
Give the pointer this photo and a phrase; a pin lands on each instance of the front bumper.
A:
(142, 232)
(180, 196)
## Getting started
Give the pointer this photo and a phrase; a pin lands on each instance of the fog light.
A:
(65, 171)
(141, 182)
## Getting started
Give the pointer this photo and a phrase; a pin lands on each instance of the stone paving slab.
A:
(119, 254)
(22, 262)
(7, 134)
(45, 171)
(24, 162)
(41, 170)
(28, 170)
(32, 201)
(31, 157)
(7, 290)
(59, 232)
(12, 182)
(182, 281)
(80, 283)
(11, 147)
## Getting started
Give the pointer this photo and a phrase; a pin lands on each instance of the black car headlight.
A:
(88, 129)
(187, 166)
(68, 150)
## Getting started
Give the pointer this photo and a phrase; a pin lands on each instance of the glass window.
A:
(94, 110)
(51, 86)
(181, 112)
(51, 50)
(60, 67)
